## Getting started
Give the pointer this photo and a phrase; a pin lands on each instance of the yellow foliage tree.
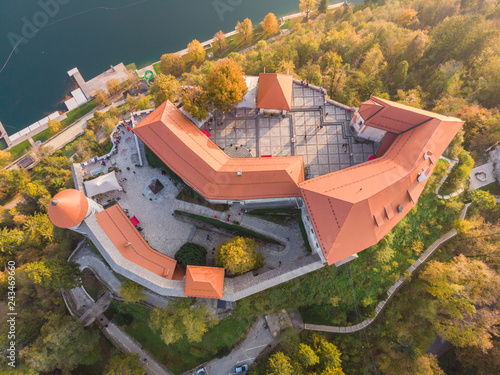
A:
(307, 6)
(245, 28)
(220, 40)
(196, 52)
(54, 126)
(270, 24)
(113, 86)
(239, 255)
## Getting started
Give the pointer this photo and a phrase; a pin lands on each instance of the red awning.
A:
(266, 156)
(134, 220)
(371, 157)
(206, 133)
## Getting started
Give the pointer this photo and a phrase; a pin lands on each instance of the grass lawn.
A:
(42, 136)
(78, 113)
(340, 294)
(183, 356)
(73, 116)
(493, 188)
(131, 66)
(107, 349)
(20, 149)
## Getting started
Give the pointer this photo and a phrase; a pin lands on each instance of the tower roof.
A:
(68, 208)
(204, 282)
(275, 91)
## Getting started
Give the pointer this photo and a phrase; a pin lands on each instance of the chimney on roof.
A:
(400, 208)
(238, 173)
(54, 202)
(128, 244)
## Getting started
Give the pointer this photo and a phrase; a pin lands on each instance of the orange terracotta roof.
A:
(204, 282)
(395, 117)
(354, 208)
(275, 91)
(208, 169)
(129, 242)
(68, 208)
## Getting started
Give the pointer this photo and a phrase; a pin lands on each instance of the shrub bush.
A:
(191, 254)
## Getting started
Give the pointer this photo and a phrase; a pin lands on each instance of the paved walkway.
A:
(392, 290)
(290, 237)
(454, 194)
(67, 135)
(70, 133)
(86, 258)
(245, 353)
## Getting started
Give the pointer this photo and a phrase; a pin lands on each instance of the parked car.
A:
(201, 371)
(241, 368)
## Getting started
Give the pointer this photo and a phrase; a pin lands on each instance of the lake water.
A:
(92, 35)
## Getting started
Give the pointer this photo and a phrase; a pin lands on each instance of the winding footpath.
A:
(454, 194)
(392, 290)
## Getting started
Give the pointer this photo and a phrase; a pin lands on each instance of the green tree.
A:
(36, 197)
(220, 41)
(328, 353)
(196, 52)
(54, 274)
(307, 6)
(460, 173)
(307, 356)
(226, 84)
(132, 292)
(398, 363)
(63, 344)
(279, 364)
(164, 88)
(10, 239)
(195, 101)
(323, 6)
(239, 255)
(483, 200)
(270, 24)
(124, 364)
(181, 318)
(39, 227)
(401, 74)
(191, 254)
(245, 29)
(465, 289)
(172, 64)
(11, 181)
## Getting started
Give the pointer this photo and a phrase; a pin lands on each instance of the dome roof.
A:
(68, 208)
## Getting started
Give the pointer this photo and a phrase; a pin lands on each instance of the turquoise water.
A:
(92, 35)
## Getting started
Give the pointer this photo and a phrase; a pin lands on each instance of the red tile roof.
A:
(350, 209)
(275, 91)
(204, 282)
(132, 246)
(208, 169)
(68, 208)
(394, 117)
(354, 208)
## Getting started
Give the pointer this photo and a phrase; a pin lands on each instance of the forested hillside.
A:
(442, 56)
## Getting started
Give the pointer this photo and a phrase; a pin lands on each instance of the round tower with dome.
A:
(70, 207)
